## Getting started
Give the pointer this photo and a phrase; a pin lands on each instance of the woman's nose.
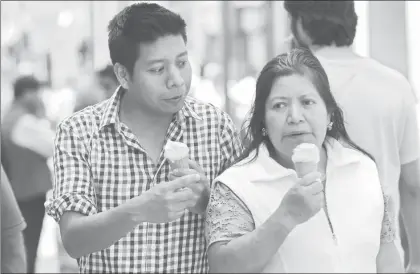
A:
(295, 114)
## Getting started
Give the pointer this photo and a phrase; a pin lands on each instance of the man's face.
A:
(161, 76)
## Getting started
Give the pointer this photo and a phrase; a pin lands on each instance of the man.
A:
(13, 258)
(108, 80)
(117, 206)
(378, 103)
(27, 144)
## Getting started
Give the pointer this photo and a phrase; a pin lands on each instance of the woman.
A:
(263, 218)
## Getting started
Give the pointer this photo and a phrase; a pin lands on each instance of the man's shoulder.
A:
(390, 79)
(389, 74)
(86, 119)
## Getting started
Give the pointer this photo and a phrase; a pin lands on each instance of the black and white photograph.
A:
(210, 136)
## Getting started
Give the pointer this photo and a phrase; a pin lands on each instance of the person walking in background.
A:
(378, 103)
(117, 203)
(27, 144)
(13, 257)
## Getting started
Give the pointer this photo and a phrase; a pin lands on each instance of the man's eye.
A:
(182, 64)
(156, 70)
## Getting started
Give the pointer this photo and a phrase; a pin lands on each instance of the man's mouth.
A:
(176, 98)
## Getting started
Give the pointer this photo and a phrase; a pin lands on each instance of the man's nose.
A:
(174, 78)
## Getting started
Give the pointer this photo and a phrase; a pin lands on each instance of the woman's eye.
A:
(279, 105)
(308, 102)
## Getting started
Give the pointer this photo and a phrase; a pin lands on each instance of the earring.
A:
(330, 125)
(264, 132)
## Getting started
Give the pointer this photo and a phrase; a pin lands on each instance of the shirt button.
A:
(153, 247)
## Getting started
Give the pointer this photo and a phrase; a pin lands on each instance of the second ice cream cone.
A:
(180, 164)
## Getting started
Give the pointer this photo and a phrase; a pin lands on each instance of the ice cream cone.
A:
(179, 164)
(305, 158)
(303, 168)
(178, 154)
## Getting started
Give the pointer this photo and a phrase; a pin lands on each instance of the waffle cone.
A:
(180, 164)
(303, 168)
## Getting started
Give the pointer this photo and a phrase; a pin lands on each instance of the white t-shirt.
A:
(379, 108)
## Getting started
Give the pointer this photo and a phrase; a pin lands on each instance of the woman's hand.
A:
(304, 199)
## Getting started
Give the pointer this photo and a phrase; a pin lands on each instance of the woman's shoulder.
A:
(241, 169)
(351, 154)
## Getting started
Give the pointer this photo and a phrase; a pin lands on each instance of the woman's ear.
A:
(122, 75)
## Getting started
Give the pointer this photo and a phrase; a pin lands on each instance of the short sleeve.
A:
(227, 216)
(11, 218)
(230, 143)
(410, 141)
(388, 233)
(72, 189)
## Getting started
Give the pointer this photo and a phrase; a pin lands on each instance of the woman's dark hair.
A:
(302, 62)
(326, 22)
(140, 23)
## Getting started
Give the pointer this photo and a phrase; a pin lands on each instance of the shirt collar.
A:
(112, 106)
(110, 114)
(265, 168)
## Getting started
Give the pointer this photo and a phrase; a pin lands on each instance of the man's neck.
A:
(131, 114)
(333, 51)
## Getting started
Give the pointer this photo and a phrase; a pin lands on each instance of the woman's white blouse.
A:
(246, 195)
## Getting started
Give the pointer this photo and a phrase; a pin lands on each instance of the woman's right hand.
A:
(304, 199)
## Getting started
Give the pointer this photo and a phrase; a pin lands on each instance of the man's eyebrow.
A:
(154, 61)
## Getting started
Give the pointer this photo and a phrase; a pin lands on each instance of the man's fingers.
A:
(182, 172)
(195, 166)
(183, 181)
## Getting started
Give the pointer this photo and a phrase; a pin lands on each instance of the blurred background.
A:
(64, 44)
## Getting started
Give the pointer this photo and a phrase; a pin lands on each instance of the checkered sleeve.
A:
(73, 190)
(230, 143)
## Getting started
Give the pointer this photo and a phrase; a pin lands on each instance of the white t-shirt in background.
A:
(379, 108)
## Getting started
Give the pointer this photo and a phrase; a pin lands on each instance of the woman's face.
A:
(295, 113)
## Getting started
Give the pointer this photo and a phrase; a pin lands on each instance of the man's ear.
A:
(122, 75)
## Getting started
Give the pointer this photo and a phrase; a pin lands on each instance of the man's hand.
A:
(164, 202)
(201, 189)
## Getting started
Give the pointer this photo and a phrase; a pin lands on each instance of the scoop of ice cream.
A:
(306, 153)
(175, 151)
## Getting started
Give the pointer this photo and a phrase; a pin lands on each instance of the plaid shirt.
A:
(99, 164)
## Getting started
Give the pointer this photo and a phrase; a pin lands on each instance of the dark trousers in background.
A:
(33, 211)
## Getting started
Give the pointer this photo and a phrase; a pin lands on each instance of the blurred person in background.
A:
(27, 144)
(242, 94)
(378, 102)
(108, 80)
(13, 257)
(204, 89)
